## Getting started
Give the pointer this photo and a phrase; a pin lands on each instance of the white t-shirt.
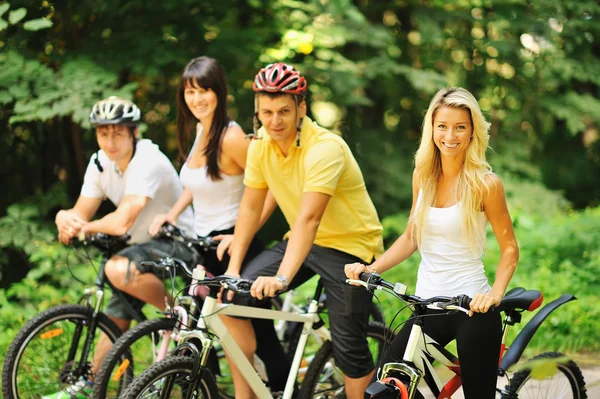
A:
(149, 174)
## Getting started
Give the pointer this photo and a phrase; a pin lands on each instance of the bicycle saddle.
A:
(520, 299)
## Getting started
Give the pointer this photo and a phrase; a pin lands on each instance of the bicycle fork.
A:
(89, 339)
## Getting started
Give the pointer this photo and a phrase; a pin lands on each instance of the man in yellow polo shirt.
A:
(318, 185)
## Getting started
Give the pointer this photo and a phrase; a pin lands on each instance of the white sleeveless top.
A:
(448, 265)
(216, 202)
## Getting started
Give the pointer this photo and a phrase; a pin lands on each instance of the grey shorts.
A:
(348, 325)
(138, 254)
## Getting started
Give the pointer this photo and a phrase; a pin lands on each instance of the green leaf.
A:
(16, 15)
(5, 98)
(37, 24)
(3, 24)
(4, 8)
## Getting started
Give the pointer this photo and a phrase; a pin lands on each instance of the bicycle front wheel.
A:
(130, 355)
(324, 380)
(566, 383)
(173, 378)
(45, 353)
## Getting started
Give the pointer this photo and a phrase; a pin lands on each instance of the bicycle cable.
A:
(69, 265)
(412, 319)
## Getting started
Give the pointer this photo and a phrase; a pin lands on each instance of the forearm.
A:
(245, 229)
(504, 272)
(78, 213)
(185, 200)
(301, 241)
(401, 250)
(115, 223)
(268, 209)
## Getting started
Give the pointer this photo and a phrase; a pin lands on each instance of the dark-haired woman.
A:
(213, 172)
(212, 177)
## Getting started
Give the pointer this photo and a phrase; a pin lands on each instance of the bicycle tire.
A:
(34, 337)
(119, 366)
(331, 383)
(173, 366)
(521, 384)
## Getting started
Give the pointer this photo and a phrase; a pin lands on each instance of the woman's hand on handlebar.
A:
(157, 223)
(481, 303)
(354, 270)
(225, 241)
(230, 294)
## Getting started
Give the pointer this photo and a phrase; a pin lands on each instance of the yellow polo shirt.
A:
(322, 163)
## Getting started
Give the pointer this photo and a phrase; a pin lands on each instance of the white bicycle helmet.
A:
(115, 111)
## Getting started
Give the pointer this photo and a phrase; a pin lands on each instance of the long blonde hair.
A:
(470, 184)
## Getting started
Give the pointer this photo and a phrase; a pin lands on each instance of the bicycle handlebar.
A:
(373, 281)
(164, 261)
(102, 241)
(168, 230)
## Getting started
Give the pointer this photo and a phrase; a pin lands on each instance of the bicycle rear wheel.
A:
(173, 378)
(38, 362)
(324, 380)
(566, 383)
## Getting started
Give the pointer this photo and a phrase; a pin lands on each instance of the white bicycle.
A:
(186, 373)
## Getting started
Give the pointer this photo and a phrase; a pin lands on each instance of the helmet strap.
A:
(299, 120)
(97, 162)
(135, 141)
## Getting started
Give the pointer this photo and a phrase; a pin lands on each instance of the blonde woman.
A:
(455, 194)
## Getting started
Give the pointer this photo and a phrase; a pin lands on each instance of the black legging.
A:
(478, 341)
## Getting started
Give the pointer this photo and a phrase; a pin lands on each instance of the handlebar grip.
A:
(365, 277)
(464, 301)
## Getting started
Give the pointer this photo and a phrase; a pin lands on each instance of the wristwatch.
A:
(284, 281)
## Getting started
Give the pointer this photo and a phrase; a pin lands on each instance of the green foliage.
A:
(16, 16)
(41, 94)
(48, 283)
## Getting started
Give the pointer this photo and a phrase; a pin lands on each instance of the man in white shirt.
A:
(142, 183)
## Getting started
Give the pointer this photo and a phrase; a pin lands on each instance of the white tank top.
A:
(448, 265)
(216, 202)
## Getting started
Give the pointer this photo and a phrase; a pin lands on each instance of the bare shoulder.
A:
(234, 137)
(494, 185)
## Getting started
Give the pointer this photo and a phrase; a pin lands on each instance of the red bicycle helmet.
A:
(279, 78)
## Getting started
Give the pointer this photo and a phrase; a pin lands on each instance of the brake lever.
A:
(235, 286)
(442, 306)
(357, 282)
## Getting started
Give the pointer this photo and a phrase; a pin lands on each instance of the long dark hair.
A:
(207, 73)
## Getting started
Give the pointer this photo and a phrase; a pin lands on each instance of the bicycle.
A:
(401, 379)
(186, 370)
(64, 335)
(150, 341)
(61, 329)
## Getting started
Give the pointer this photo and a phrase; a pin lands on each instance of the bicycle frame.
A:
(96, 291)
(420, 344)
(418, 348)
(211, 321)
(289, 305)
